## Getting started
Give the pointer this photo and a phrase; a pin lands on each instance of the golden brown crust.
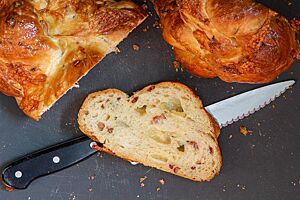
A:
(193, 64)
(47, 46)
(238, 41)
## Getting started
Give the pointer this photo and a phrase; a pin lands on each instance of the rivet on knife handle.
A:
(22, 172)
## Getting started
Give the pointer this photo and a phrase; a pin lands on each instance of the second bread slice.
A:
(163, 126)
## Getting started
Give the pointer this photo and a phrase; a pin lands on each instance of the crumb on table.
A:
(162, 181)
(143, 178)
(244, 131)
(136, 47)
(156, 24)
(176, 65)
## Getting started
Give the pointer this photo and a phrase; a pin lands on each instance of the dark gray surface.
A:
(264, 166)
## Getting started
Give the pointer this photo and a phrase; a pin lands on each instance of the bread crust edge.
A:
(109, 151)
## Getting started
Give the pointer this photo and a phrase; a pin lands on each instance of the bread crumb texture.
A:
(163, 126)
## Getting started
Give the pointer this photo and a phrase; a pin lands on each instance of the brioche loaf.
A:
(163, 126)
(236, 40)
(47, 46)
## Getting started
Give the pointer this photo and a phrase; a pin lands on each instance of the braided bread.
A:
(47, 46)
(236, 40)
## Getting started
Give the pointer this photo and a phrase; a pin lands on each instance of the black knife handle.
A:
(20, 173)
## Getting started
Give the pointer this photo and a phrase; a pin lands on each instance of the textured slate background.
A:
(265, 165)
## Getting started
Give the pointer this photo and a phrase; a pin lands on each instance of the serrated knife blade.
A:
(19, 174)
(240, 106)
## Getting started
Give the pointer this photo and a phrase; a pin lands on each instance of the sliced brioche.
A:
(163, 126)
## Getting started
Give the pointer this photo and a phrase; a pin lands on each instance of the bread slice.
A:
(47, 46)
(163, 126)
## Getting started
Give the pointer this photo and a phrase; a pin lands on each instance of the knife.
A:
(20, 173)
